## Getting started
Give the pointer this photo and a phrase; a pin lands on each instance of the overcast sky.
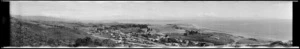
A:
(155, 10)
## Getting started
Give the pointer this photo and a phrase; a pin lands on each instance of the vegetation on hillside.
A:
(74, 34)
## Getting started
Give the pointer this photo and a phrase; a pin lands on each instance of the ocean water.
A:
(262, 29)
(267, 29)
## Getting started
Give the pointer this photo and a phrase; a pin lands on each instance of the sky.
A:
(156, 10)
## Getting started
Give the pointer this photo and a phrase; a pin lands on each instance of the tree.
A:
(83, 41)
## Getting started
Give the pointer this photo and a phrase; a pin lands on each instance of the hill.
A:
(48, 31)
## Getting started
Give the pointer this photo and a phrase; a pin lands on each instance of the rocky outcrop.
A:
(280, 43)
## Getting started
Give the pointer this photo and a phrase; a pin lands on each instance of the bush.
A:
(87, 41)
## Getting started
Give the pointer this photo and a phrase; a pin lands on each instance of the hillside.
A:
(33, 32)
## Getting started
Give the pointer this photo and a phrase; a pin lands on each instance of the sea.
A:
(260, 29)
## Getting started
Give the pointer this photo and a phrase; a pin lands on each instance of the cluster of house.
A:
(121, 37)
(178, 42)
(188, 43)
